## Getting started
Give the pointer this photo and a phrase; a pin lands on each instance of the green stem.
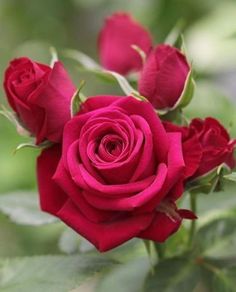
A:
(160, 250)
(193, 205)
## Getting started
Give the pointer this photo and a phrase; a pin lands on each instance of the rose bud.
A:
(164, 76)
(207, 144)
(118, 174)
(115, 42)
(40, 96)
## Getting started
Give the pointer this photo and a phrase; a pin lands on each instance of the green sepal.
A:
(141, 53)
(77, 99)
(54, 56)
(41, 146)
(209, 182)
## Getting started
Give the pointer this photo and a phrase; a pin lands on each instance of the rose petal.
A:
(131, 202)
(161, 228)
(119, 33)
(105, 235)
(61, 177)
(52, 197)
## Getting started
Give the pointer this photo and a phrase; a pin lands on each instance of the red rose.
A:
(118, 175)
(117, 36)
(40, 95)
(207, 142)
(163, 76)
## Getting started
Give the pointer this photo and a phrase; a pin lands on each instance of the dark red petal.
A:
(161, 228)
(105, 235)
(51, 197)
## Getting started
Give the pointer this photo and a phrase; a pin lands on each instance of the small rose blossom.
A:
(117, 36)
(206, 145)
(163, 76)
(118, 175)
(40, 96)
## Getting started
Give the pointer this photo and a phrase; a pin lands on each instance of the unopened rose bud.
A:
(164, 76)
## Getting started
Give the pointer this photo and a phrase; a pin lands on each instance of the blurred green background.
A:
(29, 28)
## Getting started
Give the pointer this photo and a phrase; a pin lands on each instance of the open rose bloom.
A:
(118, 167)
(118, 174)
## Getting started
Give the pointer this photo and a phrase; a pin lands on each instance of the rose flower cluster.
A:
(115, 169)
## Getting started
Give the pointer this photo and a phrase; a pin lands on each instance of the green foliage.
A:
(177, 274)
(216, 237)
(23, 208)
(49, 273)
(90, 65)
(77, 99)
(126, 278)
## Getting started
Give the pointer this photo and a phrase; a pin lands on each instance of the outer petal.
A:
(55, 99)
(96, 102)
(161, 228)
(119, 33)
(174, 71)
(175, 172)
(76, 194)
(192, 151)
(106, 235)
(52, 197)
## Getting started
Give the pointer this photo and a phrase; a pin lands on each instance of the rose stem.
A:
(193, 205)
(160, 250)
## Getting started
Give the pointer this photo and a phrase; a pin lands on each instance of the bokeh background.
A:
(29, 28)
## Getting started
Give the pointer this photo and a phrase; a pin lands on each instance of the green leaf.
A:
(218, 278)
(49, 273)
(77, 99)
(124, 84)
(216, 236)
(89, 64)
(23, 208)
(171, 275)
(69, 241)
(32, 145)
(85, 245)
(225, 280)
(175, 33)
(128, 277)
(128, 251)
(83, 59)
(231, 176)
(12, 117)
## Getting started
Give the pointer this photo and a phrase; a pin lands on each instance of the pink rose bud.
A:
(40, 95)
(163, 77)
(117, 36)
